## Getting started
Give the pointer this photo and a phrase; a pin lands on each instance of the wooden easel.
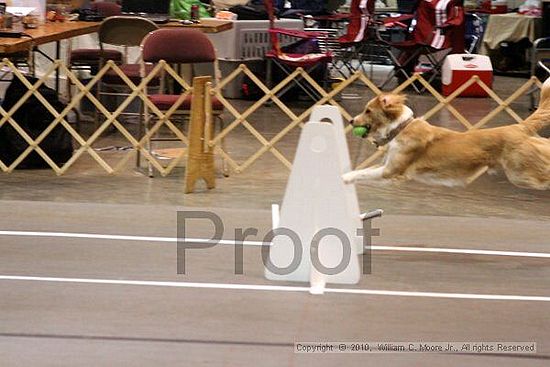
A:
(200, 156)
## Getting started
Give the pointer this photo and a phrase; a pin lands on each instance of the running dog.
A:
(429, 154)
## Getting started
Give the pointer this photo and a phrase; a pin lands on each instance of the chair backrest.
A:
(362, 12)
(431, 14)
(177, 45)
(124, 30)
(274, 33)
(106, 9)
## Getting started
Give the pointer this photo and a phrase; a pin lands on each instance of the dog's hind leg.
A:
(528, 165)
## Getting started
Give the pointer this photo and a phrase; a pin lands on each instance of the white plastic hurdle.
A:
(317, 199)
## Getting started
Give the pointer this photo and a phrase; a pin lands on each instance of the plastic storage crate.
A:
(249, 39)
(246, 43)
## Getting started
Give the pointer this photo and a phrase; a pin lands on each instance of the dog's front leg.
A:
(367, 174)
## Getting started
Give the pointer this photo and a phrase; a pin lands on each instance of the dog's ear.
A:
(391, 100)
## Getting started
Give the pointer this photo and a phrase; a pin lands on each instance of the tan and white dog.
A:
(425, 153)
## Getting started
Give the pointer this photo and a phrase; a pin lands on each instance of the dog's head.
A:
(380, 115)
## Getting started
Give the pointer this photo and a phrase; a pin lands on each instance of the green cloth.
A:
(181, 9)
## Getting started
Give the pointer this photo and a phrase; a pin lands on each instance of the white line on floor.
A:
(261, 287)
(461, 251)
(258, 243)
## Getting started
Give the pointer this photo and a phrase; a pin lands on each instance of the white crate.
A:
(249, 39)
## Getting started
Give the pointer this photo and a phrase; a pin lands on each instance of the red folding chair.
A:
(177, 46)
(288, 62)
(348, 35)
(439, 26)
(360, 17)
(353, 45)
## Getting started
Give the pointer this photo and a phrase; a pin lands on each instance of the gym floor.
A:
(88, 272)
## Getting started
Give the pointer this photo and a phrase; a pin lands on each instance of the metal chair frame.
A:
(126, 32)
(103, 8)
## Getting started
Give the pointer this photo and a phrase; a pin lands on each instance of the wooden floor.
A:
(89, 300)
(88, 267)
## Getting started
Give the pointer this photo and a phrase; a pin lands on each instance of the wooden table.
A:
(509, 27)
(206, 25)
(46, 33)
(56, 32)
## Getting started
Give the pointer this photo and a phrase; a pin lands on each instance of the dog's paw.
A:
(349, 177)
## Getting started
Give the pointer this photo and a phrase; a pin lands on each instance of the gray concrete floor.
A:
(74, 324)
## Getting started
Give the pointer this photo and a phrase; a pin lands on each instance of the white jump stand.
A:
(316, 199)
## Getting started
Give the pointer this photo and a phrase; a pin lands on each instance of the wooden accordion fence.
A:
(111, 120)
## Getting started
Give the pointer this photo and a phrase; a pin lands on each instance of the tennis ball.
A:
(360, 131)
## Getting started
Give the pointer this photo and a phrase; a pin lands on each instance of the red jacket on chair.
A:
(440, 24)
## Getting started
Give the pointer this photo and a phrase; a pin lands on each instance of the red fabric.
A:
(399, 21)
(298, 34)
(440, 24)
(361, 14)
(165, 101)
(300, 60)
(178, 45)
(271, 13)
(132, 71)
(294, 60)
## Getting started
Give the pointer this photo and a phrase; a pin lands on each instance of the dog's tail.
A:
(541, 117)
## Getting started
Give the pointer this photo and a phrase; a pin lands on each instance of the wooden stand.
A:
(200, 157)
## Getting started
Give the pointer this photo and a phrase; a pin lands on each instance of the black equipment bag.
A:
(34, 118)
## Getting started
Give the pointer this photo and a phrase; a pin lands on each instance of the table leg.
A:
(57, 56)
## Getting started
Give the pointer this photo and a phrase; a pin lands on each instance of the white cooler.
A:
(459, 68)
